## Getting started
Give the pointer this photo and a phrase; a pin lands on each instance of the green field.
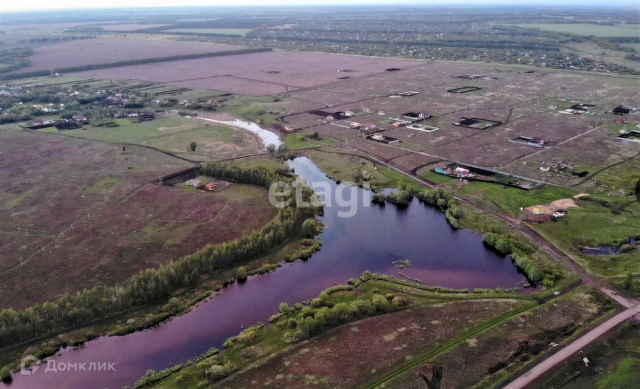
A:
(592, 225)
(512, 199)
(204, 31)
(174, 134)
(586, 29)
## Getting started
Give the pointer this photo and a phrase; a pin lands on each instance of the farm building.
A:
(194, 183)
(211, 186)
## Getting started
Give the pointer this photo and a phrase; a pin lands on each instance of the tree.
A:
(241, 273)
(5, 375)
(309, 227)
(436, 377)
(271, 148)
(193, 146)
(628, 281)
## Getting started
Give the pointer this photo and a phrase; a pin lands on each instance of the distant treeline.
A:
(492, 44)
(131, 62)
(209, 34)
(157, 285)
(226, 23)
(15, 59)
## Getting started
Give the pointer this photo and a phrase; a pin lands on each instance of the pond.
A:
(371, 239)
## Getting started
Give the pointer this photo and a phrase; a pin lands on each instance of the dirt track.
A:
(541, 368)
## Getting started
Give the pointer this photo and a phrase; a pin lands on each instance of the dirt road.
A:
(571, 349)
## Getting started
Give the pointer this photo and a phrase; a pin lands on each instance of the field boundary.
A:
(449, 345)
(132, 63)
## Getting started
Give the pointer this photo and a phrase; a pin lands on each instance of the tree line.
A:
(484, 44)
(438, 197)
(521, 252)
(131, 63)
(156, 285)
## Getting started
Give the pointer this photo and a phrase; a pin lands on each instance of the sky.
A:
(36, 5)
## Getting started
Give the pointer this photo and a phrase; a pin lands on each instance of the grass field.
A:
(512, 199)
(205, 31)
(297, 141)
(174, 134)
(78, 213)
(587, 29)
(593, 225)
(346, 167)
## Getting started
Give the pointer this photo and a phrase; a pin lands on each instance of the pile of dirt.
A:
(548, 209)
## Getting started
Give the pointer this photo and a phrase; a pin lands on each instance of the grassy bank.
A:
(399, 326)
(265, 354)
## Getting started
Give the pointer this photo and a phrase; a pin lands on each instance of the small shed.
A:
(461, 172)
(211, 186)
(194, 183)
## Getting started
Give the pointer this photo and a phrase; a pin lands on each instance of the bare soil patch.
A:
(252, 74)
(387, 341)
(554, 206)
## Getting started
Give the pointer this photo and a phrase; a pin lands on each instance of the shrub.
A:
(284, 308)
(229, 342)
(399, 301)
(241, 273)
(274, 318)
(5, 375)
(339, 288)
(380, 303)
(218, 372)
(311, 227)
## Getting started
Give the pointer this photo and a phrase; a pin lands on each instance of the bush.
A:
(310, 227)
(284, 308)
(218, 372)
(241, 273)
(380, 303)
(274, 318)
(399, 301)
(5, 375)
(229, 342)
